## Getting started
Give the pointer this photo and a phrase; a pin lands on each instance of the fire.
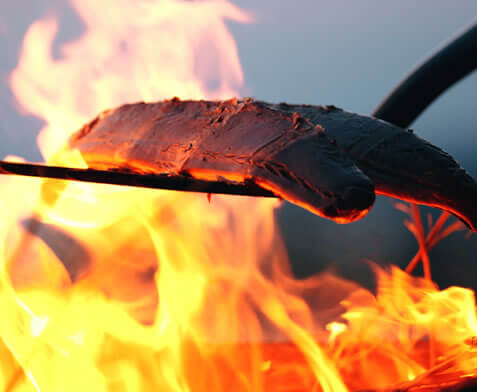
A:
(112, 289)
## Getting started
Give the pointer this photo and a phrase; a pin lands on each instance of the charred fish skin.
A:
(230, 141)
(400, 163)
(309, 164)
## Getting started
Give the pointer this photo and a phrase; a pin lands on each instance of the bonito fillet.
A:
(323, 159)
(230, 141)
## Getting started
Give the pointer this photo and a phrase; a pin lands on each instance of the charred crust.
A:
(281, 170)
(88, 127)
(319, 130)
(332, 108)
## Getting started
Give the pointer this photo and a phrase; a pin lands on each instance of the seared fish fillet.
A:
(323, 159)
(230, 141)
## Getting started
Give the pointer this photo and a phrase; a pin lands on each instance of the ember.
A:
(107, 288)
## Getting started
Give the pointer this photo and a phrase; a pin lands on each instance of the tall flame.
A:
(106, 289)
(130, 51)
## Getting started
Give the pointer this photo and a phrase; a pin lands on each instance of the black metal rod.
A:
(156, 181)
(425, 83)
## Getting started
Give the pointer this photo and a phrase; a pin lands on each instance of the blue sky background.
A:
(346, 53)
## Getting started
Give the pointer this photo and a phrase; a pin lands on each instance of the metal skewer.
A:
(156, 181)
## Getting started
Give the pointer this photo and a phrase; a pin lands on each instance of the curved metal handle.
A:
(426, 82)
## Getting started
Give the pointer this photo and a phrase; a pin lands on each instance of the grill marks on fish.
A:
(230, 141)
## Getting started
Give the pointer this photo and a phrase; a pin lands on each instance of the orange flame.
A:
(107, 289)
